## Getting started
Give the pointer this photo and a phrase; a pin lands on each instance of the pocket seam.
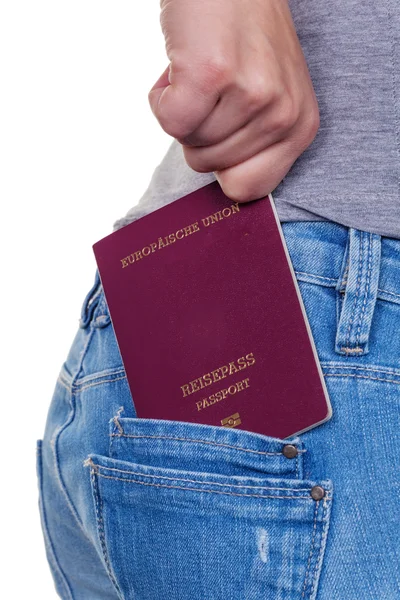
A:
(117, 432)
(177, 487)
(311, 552)
(314, 574)
(101, 532)
(94, 469)
(97, 467)
(186, 439)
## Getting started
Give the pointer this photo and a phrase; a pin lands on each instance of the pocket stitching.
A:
(319, 557)
(311, 550)
(94, 472)
(101, 532)
(318, 565)
(205, 490)
(97, 467)
(186, 439)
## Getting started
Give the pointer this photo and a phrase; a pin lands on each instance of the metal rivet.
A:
(290, 451)
(317, 492)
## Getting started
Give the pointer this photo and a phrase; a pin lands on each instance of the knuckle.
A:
(310, 126)
(259, 93)
(286, 115)
(315, 122)
(214, 72)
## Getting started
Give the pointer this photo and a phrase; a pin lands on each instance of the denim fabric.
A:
(151, 509)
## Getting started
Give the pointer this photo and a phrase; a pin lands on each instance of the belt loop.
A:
(359, 284)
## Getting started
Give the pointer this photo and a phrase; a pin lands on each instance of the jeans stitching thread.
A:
(59, 431)
(325, 528)
(366, 289)
(186, 439)
(333, 280)
(100, 528)
(311, 549)
(335, 365)
(357, 291)
(85, 387)
(328, 497)
(261, 487)
(361, 377)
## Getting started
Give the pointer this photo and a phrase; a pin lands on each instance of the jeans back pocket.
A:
(200, 512)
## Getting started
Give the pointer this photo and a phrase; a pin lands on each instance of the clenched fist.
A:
(237, 93)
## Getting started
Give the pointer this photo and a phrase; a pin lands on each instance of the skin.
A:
(237, 93)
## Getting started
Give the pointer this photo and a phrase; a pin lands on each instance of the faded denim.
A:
(150, 509)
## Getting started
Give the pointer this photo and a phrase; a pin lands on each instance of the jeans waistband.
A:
(361, 266)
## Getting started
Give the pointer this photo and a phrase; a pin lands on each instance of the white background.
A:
(78, 145)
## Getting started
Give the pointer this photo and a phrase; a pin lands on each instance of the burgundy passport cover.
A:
(208, 317)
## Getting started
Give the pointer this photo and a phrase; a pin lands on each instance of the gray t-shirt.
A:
(351, 172)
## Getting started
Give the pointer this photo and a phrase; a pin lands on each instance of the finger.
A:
(233, 111)
(264, 130)
(260, 175)
(243, 100)
(184, 104)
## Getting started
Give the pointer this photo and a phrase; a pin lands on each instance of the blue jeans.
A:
(151, 509)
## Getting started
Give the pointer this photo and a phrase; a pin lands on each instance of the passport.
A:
(209, 319)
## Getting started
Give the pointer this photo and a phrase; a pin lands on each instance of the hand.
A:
(237, 93)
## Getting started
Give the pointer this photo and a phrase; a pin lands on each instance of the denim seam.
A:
(311, 549)
(334, 365)
(54, 444)
(178, 487)
(94, 376)
(64, 383)
(61, 429)
(361, 377)
(339, 308)
(332, 279)
(366, 290)
(345, 275)
(48, 541)
(85, 387)
(341, 283)
(387, 292)
(355, 301)
(186, 439)
(101, 532)
(324, 534)
(94, 379)
(235, 485)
